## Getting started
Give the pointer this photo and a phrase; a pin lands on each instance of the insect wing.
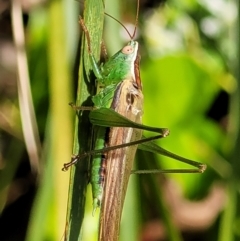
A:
(120, 161)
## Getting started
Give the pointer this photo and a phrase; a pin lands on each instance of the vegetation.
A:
(189, 70)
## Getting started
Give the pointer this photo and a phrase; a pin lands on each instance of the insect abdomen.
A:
(98, 171)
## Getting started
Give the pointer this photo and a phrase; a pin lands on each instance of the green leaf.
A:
(93, 18)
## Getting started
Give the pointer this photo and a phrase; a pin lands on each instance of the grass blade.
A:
(93, 18)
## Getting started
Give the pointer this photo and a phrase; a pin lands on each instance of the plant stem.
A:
(93, 18)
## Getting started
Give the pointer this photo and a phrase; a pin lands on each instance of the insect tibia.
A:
(81, 107)
(200, 169)
(104, 54)
(74, 160)
(66, 166)
(85, 30)
(159, 171)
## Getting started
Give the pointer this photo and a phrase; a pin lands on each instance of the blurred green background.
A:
(189, 70)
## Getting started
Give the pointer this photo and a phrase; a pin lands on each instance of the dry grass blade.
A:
(29, 124)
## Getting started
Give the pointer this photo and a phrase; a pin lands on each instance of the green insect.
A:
(117, 120)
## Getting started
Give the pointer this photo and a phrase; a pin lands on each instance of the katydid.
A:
(117, 120)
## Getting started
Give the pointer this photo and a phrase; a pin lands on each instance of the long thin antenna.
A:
(136, 22)
(120, 24)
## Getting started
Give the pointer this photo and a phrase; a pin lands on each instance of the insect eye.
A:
(127, 50)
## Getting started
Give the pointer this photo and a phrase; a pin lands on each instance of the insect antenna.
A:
(120, 24)
(136, 22)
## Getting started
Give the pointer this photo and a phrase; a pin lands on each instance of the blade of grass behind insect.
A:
(131, 216)
(93, 18)
(28, 117)
(229, 226)
(48, 216)
(157, 197)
